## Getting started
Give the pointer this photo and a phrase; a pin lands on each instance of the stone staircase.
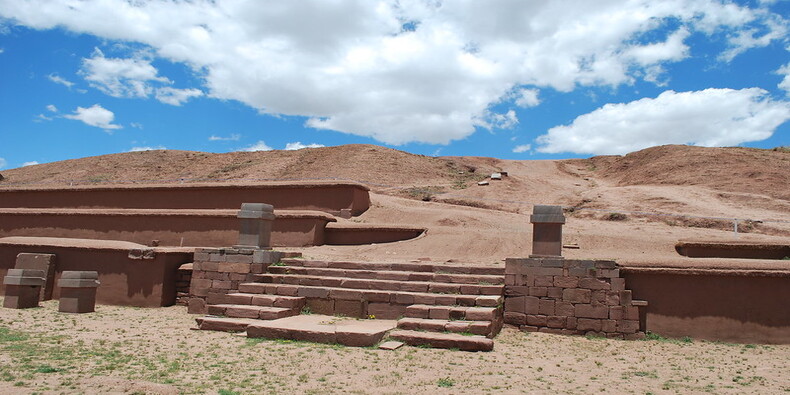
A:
(436, 305)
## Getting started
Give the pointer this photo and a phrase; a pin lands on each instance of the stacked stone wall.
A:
(217, 272)
(574, 297)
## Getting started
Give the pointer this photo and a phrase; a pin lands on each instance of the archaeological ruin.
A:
(222, 251)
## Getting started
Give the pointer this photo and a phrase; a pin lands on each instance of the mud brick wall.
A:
(568, 296)
(219, 271)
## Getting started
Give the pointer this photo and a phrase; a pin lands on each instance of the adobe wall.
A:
(721, 305)
(204, 228)
(732, 249)
(130, 274)
(369, 235)
(327, 197)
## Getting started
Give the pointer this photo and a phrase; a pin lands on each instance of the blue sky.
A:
(508, 79)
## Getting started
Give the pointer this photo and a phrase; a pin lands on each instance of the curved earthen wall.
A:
(742, 307)
(203, 229)
(326, 197)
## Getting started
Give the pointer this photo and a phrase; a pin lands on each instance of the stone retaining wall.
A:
(217, 272)
(569, 296)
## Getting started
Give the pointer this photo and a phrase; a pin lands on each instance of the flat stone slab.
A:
(391, 345)
(443, 340)
(323, 329)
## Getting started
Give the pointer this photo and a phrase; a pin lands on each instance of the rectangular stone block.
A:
(536, 320)
(563, 308)
(231, 267)
(200, 256)
(627, 326)
(516, 304)
(570, 322)
(320, 306)
(439, 313)
(386, 311)
(444, 300)
(238, 259)
(618, 284)
(608, 326)
(544, 281)
(626, 297)
(346, 294)
(538, 291)
(514, 318)
(510, 279)
(220, 284)
(43, 262)
(516, 291)
(593, 283)
(554, 321)
(200, 283)
(546, 307)
(197, 306)
(350, 308)
(554, 292)
(566, 281)
(587, 324)
(285, 290)
(305, 292)
(591, 311)
(576, 295)
(531, 305)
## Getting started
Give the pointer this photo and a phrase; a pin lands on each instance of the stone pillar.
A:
(547, 231)
(45, 262)
(78, 291)
(256, 225)
(23, 288)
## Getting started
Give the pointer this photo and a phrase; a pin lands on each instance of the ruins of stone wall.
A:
(217, 272)
(569, 296)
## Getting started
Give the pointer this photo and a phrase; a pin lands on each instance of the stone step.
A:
(453, 312)
(224, 324)
(405, 267)
(443, 340)
(247, 311)
(255, 299)
(384, 285)
(477, 279)
(377, 296)
(482, 328)
(323, 329)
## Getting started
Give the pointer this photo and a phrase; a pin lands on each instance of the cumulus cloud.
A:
(52, 108)
(298, 145)
(710, 118)
(3, 163)
(522, 148)
(141, 149)
(120, 77)
(398, 71)
(259, 146)
(527, 98)
(176, 97)
(95, 115)
(60, 80)
(31, 163)
(785, 83)
(232, 137)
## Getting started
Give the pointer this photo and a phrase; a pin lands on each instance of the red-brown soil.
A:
(653, 189)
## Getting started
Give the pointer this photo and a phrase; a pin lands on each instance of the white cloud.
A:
(298, 145)
(52, 108)
(121, 77)
(259, 146)
(527, 98)
(141, 149)
(176, 97)
(232, 137)
(785, 83)
(3, 163)
(522, 148)
(60, 80)
(136, 125)
(31, 163)
(352, 67)
(710, 118)
(95, 115)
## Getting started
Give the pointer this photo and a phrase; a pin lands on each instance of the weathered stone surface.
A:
(443, 340)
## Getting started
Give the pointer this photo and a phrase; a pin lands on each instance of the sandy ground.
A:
(124, 350)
